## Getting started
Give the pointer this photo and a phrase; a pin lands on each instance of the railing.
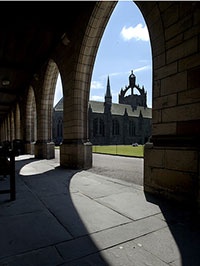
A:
(7, 167)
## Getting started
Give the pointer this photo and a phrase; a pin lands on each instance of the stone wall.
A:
(172, 159)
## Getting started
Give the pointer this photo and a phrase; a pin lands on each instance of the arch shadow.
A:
(183, 222)
(42, 226)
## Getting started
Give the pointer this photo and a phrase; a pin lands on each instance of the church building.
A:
(109, 123)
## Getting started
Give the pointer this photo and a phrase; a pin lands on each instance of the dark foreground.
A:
(64, 217)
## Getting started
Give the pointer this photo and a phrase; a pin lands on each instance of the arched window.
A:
(115, 127)
(59, 128)
(98, 127)
(131, 128)
(101, 127)
(95, 127)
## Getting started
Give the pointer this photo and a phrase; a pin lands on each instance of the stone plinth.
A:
(44, 150)
(171, 172)
(76, 154)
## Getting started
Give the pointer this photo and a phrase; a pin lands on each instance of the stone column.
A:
(76, 154)
(171, 169)
(44, 147)
(75, 150)
(171, 160)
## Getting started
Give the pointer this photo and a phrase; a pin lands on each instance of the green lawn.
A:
(125, 150)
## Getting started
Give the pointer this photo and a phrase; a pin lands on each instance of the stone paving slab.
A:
(164, 245)
(131, 204)
(25, 232)
(65, 217)
(46, 256)
(63, 208)
(96, 216)
(77, 248)
(95, 186)
(126, 232)
(92, 260)
(108, 238)
(81, 215)
(37, 167)
(130, 254)
(49, 183)
(26, 204)
(178, 244)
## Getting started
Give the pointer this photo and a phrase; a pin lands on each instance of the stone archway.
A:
(18, 132)
(44, 147)
(76, 70)
(172, 157)
(31, 122)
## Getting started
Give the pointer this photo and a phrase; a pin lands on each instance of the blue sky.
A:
(125, 46)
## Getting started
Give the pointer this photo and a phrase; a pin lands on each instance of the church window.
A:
(98, 127)
(115, 127)
(95, 127)
(59, 128)
(131, 129)
(101, 127)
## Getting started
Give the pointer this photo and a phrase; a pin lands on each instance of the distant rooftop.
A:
(116, 109)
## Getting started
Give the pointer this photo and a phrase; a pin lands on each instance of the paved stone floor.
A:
(67, 217)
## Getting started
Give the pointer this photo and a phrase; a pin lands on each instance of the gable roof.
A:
(59, 105)
(116, 109)
(119, 109)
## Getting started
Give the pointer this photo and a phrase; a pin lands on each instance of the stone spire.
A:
(108, 98)
(132, 82)
(108, 92)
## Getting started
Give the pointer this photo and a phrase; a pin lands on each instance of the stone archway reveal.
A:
(171, 163)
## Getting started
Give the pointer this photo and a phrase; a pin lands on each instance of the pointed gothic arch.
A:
(47, 98)
(18, 133)
(12, 126)
(44, 147)
(31, 121)
(93, 34)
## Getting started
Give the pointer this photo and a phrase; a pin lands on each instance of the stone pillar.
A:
(198, 198)
(171, 169)
(27, 147)
(171, 161)
(44, 147)
(30, 147)
(44, 150)
(76, 154)
(75, 150)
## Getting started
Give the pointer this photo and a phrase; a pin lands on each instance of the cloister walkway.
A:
(68, 217)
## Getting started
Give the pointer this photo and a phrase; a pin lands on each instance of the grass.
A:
(125, 150)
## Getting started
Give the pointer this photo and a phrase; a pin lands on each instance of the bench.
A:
(7, 167)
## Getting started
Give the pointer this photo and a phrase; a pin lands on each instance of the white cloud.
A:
(114, 74)
(138, 32)
(141, 68)
(96, 98)
(96, 85)
(125, 73)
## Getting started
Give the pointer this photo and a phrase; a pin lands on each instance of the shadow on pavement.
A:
(42, 226)
(184, 225)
